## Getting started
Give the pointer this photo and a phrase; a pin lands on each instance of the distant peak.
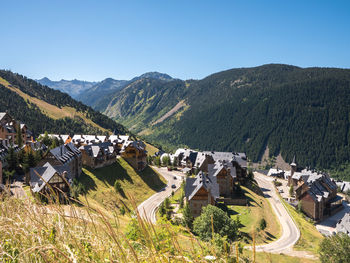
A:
(156, 75)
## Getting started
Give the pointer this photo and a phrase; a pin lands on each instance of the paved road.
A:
(149, 207)
(290, 232)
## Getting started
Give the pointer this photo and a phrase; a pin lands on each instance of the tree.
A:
(157, 161)
(262, 224)
(118, 186)
(12, 160)
(28, 161)
(19, 140)
(222, 224)
(187, 216)
(291, 190)
(335, 249)
(46, 139)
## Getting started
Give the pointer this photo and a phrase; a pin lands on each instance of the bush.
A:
(77, 188)
(118, 187)
(335, 249)
(222, 224)
(262, 224)
(277, 183)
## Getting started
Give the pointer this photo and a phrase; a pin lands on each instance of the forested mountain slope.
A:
(45, 109)
(301, 111)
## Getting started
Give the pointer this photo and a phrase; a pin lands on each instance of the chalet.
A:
(276, 173)
(64, 138)
(238, 160)
(200, 192)
(98, 155)
(189, 158)
(178, 155)
(26, 134)
(202, 161)
(343, 225)
(226, 176)
(118, 141)
(7, 127)
(134, 152)
(50, 181)
(66, 155)
(81, 140)
(316, 192)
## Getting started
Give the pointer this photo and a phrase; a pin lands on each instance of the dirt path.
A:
(171, 112)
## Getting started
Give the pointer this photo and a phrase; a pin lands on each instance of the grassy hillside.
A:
(42, 108)
(136, 187)
(250, 216)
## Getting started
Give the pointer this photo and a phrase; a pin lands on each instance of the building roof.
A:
(343, 224)
(201, 180)
(218, 166)
(94, 149)
(275, 172)
(240, 158)
(40, 176)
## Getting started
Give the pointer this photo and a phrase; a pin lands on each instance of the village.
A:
(210, 177)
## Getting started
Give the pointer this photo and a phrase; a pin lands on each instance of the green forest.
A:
(294, 111)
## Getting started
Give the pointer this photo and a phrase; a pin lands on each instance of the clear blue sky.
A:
(92, 39)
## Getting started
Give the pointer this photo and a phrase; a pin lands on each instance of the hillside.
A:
(45, 109)
(292, 110)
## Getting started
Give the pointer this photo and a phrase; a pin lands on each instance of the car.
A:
(173, 186)
(175, 178)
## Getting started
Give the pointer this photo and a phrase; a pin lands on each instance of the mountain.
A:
(72, 87)
(290, 110)
(97, 94)
(100, 92)
(46, 109)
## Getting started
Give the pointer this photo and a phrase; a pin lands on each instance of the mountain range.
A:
(45, 109)
(291, 110)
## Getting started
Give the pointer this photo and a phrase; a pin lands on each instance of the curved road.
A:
(290, 232)
(147, 209)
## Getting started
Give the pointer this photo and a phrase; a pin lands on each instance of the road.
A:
(148, 208)
(290, 231)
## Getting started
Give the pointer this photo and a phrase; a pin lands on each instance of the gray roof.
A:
(2, 115)
(318, 183)
(344, 224)
(218, 166)
(65, 153)
(240, 158)
(201, 180)
(94, 149)
(46, 172)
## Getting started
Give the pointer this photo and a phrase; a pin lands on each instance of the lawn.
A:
(310, 238)
(251, 215)
(136, 187)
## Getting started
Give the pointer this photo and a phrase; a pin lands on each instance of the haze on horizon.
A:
(91, 41)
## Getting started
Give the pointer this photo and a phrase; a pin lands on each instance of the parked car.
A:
(173, 186)
(175, 178)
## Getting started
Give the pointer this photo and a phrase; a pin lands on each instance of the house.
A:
(189, 158)
(317, 194)
(226, 176)
(98, 155)
(343, 225)
(26, 134)
(7, 127)
(63, 138)
(276, 173)
(48, 180)
(239, 160)
(66, 155)
(118, 141)
(200, 192)
(202, 161)
(134, 152)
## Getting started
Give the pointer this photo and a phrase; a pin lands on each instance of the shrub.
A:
(222, 224)
(262, 224)
(118, 187)
(335, 249)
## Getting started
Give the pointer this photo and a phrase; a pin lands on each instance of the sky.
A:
(187, 39)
